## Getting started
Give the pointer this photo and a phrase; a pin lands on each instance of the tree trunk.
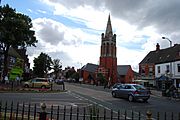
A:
(5, 69)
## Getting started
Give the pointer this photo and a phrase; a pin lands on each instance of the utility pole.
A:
(171, 72)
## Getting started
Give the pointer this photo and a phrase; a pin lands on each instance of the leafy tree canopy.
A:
(15, 31)
(75, 76)
(42, 64)
(101, 78)
(56, 66)
(15, 28)
(70, 72)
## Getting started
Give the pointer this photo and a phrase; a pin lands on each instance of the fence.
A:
(33, 112)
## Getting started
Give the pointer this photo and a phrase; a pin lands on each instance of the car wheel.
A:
(26, 86)
(43, 87)
(130, 98)
(114, 94)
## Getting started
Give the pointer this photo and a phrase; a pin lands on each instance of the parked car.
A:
(51, 80)
(131, 92)
(59, 81)
(37, 83)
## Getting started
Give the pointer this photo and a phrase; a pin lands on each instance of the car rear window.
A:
(139, 87)
(42, 80)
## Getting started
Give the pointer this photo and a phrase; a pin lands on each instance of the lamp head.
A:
(163, 37)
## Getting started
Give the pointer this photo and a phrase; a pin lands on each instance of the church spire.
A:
(109, 27)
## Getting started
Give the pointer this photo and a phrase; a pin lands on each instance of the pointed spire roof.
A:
(109, 27)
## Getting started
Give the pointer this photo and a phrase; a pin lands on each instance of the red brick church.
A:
(108, 59)
(108, 62)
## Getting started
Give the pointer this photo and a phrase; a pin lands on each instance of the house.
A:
(161, 62)
(88, 73)
(16, 63)
(125, 74)
(26, 65)
(147, 66)
(169, 64)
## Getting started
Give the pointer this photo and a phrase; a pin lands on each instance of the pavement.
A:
(156, 93)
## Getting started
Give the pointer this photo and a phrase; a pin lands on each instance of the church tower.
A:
(108, 59)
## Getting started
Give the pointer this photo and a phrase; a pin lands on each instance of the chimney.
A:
(157, 47)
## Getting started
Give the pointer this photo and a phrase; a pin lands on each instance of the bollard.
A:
(51, 86)
(43, 114)
(63, 86)
(149, 115)
(13, 116)
(12, 85)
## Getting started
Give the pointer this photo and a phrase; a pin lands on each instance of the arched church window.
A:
(107, 49)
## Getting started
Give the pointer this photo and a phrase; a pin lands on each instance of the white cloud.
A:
(42, 11)
(29, 10)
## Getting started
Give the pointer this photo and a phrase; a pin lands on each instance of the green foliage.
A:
(70, 72)
(101, 78)
(75, 76)
(56, 66)
(15, 30)
(42, 64)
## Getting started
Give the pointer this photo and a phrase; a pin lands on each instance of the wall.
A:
(147, 74)
(86, 75)
(163, 69)
(110, 64)
(129, 76)
(176, 73)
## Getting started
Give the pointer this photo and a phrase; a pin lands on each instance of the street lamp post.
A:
(170, 62)
(168, 40)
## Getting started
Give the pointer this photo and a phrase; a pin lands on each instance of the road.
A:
(86, 95)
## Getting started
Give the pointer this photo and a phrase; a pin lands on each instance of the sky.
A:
(70, 30)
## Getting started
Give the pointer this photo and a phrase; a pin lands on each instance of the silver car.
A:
(131, 92)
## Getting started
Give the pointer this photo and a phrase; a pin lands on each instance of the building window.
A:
(143, 70)
(178, 67)
(159, 70)
(107, 49)
(167, 68)
(150, 71)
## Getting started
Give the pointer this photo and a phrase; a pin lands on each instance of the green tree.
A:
(101, 78)
(15, 30)
(70, 72)
(42, 64)
(56, 66)
(75, 76)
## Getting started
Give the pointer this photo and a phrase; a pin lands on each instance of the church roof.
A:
(90, 67)
(123, 69)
